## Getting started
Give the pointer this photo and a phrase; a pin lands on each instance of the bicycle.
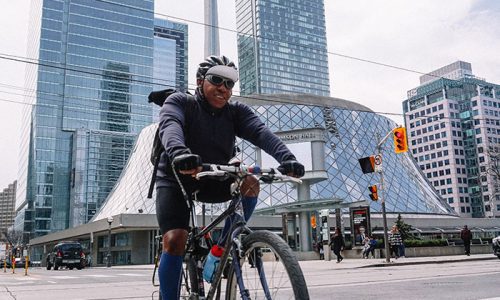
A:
(256, 264)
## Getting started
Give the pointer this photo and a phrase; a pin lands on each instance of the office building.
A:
(453, 123)
(7, 201)
(94, 72)
(282, 47)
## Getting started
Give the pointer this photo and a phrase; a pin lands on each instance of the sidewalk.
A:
(356, 263)
(353, 263)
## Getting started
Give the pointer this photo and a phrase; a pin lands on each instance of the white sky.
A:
(421, 35)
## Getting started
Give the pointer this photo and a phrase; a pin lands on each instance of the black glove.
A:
(185, 162)
(292, 167)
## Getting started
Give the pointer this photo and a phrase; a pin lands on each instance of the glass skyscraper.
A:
(93, 72)
(170, 66)
(282, 47)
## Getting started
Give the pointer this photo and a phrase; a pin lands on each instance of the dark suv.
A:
(66, 254)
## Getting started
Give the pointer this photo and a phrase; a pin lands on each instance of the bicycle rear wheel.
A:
(280, 270)
(189, 280)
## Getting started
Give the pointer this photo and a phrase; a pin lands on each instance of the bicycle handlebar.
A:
(267, 174)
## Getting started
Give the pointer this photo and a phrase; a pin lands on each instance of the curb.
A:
(423, 262)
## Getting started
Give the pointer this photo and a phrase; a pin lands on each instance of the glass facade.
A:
(282, 47)
(350, 133)
(94, 74)
(170, 68)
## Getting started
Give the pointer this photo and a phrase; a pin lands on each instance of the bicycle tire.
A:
(286, 280)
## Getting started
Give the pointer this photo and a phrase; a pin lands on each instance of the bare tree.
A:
(14, 238)
(493, 170)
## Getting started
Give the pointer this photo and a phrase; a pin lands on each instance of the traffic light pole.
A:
(382, 201)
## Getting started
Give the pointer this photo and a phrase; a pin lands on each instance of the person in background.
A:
(337, 244)
(369, 247)
(396, 242)
(466, 236)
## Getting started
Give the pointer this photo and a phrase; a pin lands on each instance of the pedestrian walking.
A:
(337, 244)
(466, 236)
(396, 242)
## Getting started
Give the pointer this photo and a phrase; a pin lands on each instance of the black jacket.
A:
(210, 133)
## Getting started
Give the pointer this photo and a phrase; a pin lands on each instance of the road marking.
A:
(99, 276)
(130, 274)
(63, 277)
(26, 278)
(50, 281)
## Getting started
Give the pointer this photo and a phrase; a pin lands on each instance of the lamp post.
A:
(108, 256)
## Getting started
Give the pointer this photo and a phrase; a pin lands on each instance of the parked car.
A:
(495, 243)
(67, 254)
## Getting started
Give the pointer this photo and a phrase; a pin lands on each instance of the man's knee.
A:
(250, 187)
(174, 241)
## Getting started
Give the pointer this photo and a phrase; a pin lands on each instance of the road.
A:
(460, 280)
(326, 280)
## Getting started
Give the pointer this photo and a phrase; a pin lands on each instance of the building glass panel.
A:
(282, 47)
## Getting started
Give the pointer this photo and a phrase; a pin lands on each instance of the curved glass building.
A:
(351, 131)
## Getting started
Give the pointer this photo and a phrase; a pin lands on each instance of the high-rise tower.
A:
(94, 72)
(212, 46)
(282, 47)
(453, 121)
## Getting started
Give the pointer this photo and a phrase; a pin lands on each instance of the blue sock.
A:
(169, 273)
(248, 204)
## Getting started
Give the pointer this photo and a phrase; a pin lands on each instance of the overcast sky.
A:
(420, 36)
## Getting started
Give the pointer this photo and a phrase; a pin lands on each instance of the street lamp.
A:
(108, 256)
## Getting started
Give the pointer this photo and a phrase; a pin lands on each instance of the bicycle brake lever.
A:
(267, 179)
(215, 173)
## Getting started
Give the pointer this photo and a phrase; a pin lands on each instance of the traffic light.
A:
(400, 143)
(373, 192)
(367, 164)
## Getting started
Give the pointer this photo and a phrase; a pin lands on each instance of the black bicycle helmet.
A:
(213, 61)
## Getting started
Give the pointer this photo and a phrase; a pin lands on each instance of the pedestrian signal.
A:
(373, 192)
(313, 221)
(367, 164)
(400, 143)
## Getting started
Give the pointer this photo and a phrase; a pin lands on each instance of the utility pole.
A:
(382, 201)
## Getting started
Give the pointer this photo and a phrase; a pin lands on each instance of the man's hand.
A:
(187, 164)
(292, 168)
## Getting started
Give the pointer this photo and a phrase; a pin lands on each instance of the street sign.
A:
(378, 163)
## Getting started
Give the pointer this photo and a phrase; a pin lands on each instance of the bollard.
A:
(5, 265)
(13, 264)
(26, 264)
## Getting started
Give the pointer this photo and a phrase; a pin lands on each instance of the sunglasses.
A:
(218, 80)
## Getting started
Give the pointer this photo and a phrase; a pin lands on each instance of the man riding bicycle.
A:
(205, 134)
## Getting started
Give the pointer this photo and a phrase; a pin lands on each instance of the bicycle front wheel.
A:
(269, 270)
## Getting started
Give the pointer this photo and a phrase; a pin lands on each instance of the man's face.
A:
(216, 95)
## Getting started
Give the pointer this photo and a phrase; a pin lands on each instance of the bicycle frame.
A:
(238, 225)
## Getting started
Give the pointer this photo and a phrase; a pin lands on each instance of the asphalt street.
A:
(443, 277)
